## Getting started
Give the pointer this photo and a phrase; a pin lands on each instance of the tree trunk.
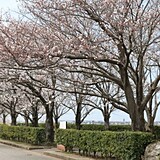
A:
(13, 119)
(34, 117)
(150, 125)
(150, 121)
(26, 121)
(26, 118)
(4, 118)
(106, 123)
(78, 124)
(49, 127)
(106, 116)
(78, 117)
(35, 122)
(136, 112)
(151, 114)
(56, 121)
(137, 120)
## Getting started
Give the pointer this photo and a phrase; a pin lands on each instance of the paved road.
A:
(13, 153)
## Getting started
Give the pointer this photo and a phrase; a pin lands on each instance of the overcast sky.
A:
(8, 4)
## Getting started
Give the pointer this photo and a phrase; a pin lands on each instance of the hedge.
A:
(100, 127)
(31, 135)
(91, 127)
(42, 125)
(122, 145)
(119, 128)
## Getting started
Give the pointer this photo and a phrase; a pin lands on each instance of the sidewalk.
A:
(54, 152)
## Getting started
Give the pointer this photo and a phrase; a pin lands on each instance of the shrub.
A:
(100, 127)
(120, 128)
(32, 135)
(122, 145)
(69, 139)
(71, 126)
(156, 132)
(42, 125)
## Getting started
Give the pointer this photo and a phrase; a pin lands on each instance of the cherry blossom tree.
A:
(38, 85)
(60, 108)
(11, 101)
(3, 113)
(106, 89)
(33, 109)
(91, 37)
(78, 100)
(26, 53)
(122, 34)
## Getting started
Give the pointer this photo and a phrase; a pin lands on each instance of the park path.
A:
(13, 153)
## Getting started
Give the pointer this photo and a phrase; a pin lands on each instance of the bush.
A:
(31, 135)
(120, 128)
(42, 125)
(71, 126)
(100, 127)
(92, 127)
(156, 132)
(122, 145)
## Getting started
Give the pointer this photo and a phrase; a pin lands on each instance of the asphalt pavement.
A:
(12, 153)
(10, 150)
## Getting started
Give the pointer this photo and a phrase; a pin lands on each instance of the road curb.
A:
(66, 156)
(19, 145)
(52, 154)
